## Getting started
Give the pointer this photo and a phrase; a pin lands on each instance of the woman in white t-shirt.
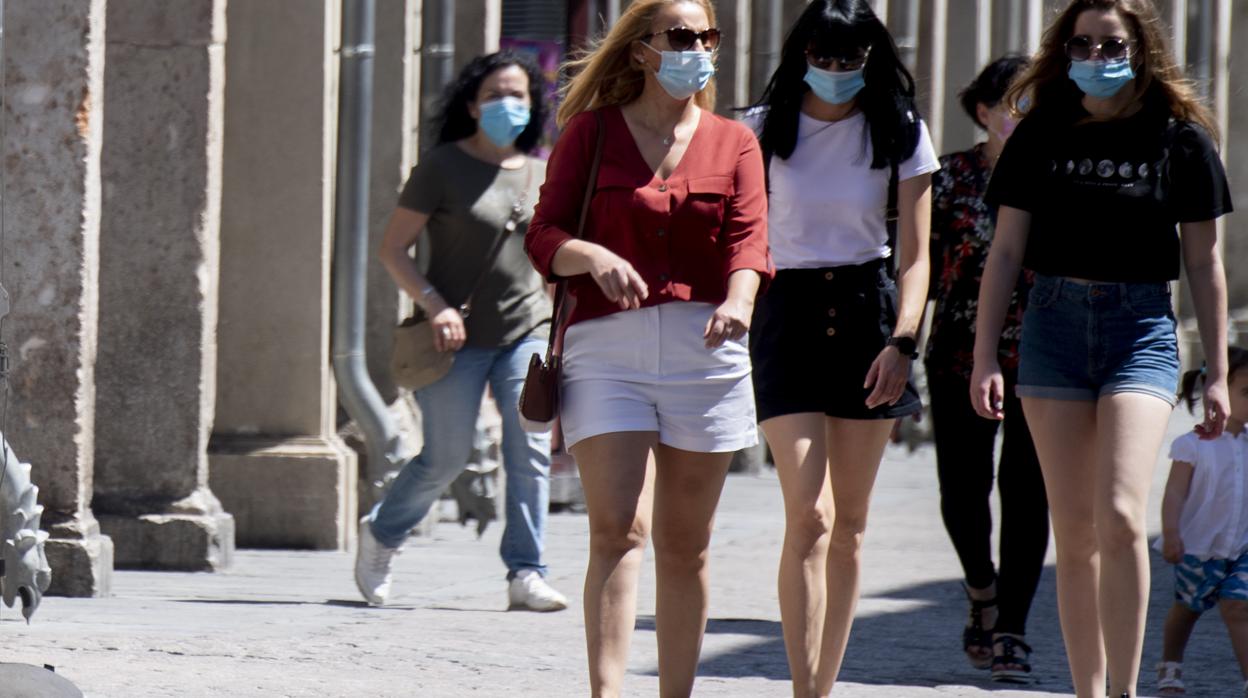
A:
(833, 339)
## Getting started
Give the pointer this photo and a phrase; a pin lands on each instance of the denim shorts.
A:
(1200, 584)
(1083, 341)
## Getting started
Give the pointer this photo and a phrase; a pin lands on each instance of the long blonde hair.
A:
(1045, 82)
(605, 74)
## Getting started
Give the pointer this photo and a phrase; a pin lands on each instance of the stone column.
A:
(733, 77)
(929, 71)
(902, 19)
(766, 39)
(155, 377)
(478, 27)
(275, 461)
(1019, 26)
(968, 35)
(1235, 154)
(53, 99)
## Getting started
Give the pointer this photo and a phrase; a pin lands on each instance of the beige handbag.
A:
(415, 361)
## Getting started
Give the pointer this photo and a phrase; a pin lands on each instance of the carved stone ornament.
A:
(26, 572)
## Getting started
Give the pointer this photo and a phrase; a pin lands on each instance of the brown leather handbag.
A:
(415, 361)
(539, 399)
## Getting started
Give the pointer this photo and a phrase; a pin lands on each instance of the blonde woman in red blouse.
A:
(656, 373)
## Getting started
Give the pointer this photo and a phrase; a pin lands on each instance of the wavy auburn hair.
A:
(1046, 84)
(605, 74)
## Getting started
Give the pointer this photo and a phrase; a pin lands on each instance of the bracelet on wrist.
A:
(429, 296)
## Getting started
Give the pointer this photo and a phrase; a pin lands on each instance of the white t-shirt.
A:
(1214, 522)
(827, 204)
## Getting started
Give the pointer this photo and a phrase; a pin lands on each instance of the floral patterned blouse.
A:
(962, 229)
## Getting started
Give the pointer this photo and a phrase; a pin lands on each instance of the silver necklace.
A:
(667, 140)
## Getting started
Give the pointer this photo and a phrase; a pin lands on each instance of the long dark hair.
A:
(1046, 85)
(453, 121)
(887, 101)
(1237, 360)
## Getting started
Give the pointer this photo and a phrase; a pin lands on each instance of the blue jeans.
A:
(449, 410)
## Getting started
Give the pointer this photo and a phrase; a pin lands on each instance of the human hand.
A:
(448, 330)
(619, 282)
(988, 390)
(1217, 407)
(1172, 549)
(887, 378)
(731, 320)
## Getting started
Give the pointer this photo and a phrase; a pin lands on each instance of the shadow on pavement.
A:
(911, 636)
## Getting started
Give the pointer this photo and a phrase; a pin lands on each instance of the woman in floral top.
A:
(962, 228)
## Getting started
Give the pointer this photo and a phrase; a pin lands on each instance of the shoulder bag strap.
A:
(891, 214)
(513, 220)
(554, 347)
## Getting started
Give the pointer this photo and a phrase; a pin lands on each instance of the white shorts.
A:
(650, 370)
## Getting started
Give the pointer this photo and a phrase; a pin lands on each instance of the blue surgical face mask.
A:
(833, 87)
(1101, 79)
(683, 74)
(503, 120)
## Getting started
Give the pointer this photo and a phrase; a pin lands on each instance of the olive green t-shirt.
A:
(468, 202)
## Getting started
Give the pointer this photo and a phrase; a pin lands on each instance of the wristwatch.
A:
(906, 346)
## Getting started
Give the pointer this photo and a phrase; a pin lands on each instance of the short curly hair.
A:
(453, 121)
(990, 86)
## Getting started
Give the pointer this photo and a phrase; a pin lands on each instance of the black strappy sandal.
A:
(1013, 652)
(976, 636)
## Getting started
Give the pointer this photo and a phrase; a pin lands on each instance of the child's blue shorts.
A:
(1200, 584)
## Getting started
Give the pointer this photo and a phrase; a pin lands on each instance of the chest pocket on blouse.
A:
(708, 197)
(615, 199)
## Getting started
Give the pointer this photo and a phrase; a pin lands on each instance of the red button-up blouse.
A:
(684, 235)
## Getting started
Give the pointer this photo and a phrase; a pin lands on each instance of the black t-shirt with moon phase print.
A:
(1105, 197)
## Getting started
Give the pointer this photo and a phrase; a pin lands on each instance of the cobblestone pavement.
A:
(291, 623)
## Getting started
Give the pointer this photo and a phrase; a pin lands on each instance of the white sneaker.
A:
(528, 591)
(372, 566)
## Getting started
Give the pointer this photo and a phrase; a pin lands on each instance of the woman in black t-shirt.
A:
(1113, 155)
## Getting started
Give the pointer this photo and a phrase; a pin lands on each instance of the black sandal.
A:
(975, 635)
(1014, 652)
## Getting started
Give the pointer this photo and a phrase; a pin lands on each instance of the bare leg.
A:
(617, 474)
(1180, 622)
(1129, 429)
(686, 491)
(798, 445)
(1235, 613)
(855, 448)
(1064, 432)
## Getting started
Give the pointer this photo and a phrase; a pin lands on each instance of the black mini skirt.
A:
(814, 336)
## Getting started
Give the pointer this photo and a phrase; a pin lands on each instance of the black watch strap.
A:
(906, 346)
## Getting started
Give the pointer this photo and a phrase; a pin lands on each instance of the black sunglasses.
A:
(683, 38)
(842, 63)
(1080, 48)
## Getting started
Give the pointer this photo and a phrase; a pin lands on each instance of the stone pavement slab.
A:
(282, 623)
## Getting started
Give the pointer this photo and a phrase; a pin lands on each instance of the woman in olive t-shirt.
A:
(464, 193)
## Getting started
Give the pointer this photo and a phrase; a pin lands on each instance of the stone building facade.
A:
(168, 220)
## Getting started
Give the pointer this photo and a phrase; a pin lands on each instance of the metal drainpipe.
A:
(350, 265)
(444, 50)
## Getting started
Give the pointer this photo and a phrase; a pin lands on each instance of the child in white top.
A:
(1204, 517)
